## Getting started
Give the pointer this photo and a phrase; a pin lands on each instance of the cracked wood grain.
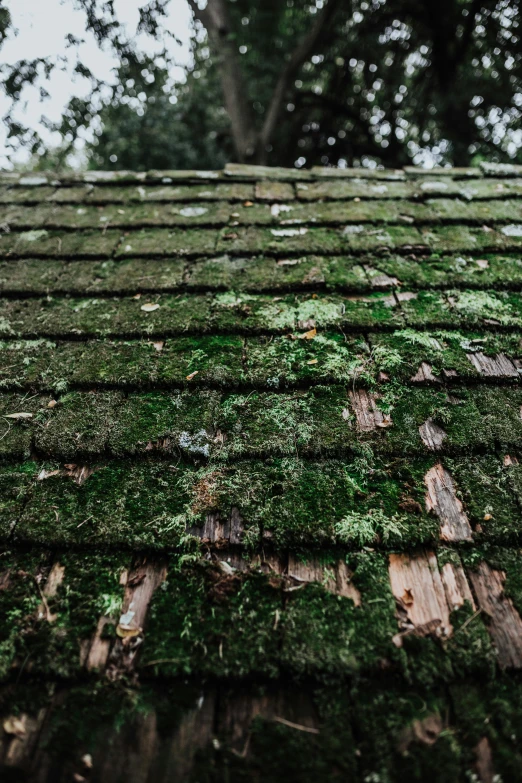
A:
(368, 415)
(505, 623)
(336, 578)
(432, 435)
(441, 498)
(499, 366)
(419, 591)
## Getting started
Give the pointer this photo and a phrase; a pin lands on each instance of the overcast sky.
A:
(41, 29)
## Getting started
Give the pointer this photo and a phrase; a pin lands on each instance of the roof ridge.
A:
(240, 171)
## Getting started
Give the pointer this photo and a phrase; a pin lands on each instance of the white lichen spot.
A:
(5, 326)
(30, 181)
(379, 189)
(484, 305)
(433, 185)
(166, 180)
(127, 618)
(289, 232)
(230, 299)
(33, 236)
(195, 444)
(193, 211)
(276, 209)
(207, 174)
(468, 193)
(513, 230)
(322, 311)
(347, 230)
(128, 248)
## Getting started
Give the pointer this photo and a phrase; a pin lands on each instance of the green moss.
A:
(163, 242)
(207, 622)
(14, 488)
(16, 430)
(48, 244)
(79, 425)
(368, 731)
(89, 591)
(179, 421)
(262, 273)
(367, 528)
(486, 488)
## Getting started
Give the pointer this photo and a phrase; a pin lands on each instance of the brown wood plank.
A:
(505, 623)
(432, 435)
(499, 366)
(441, 498)
(420, 595)
(369, 417)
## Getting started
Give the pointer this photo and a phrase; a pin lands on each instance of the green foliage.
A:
(147, 123)
(363, 529)
(384, 83)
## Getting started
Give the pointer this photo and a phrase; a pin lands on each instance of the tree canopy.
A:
(297, 82)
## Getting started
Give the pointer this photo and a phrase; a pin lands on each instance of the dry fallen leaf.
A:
(127, 631)
(14, 726)
(248, 204)
(407, 597)
(309, 335)
(137, 296)
(192, 374)
(159, 345)
(18, 416)
(52, 403)
(386, 422)
(313, 361)
(149, 307)
(487, 517)
(45, 474)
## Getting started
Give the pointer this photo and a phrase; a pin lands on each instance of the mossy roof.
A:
(262, 430)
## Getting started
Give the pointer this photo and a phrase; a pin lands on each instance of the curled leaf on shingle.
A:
(309, 335)
(18, 416)
(127, 631)
(14, 726)
(149, 307)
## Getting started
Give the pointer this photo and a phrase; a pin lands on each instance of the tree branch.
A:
(300, 54)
